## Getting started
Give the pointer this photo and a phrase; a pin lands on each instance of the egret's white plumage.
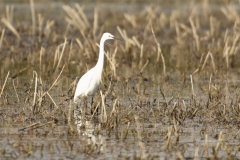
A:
(89, 82)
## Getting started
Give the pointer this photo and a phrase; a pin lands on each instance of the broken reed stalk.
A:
(9, 13)
(192, 86)
(69, 112)
(226, 55)
(123, 34)
(47, 31)
(35, 90)
(14, 87)
(159, 51)
(196, 157)
(205, 149)
(77, 18)
(212, 60)
(104, 116)
(169, 134)
(141, 56)
(131, 19)
(70, 52)
(95, 22)
(52, 100)
(145, 65)
(4, 83)
(79, 44)
(61, 55)
(103, 109)
(141, 144)
(114, 107)
(180, 156)
(195, 35)
(40, 61)
(112, 61)
(210, 85)
(1, 39)
(10, 26)
(219, 143)
(33, 17)
(52, 84)
(40, 25)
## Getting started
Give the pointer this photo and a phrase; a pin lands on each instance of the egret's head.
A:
(107, 36)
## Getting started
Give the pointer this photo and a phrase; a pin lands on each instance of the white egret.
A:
(89, 82)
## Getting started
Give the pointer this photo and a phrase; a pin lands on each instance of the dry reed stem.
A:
(9, 13)
(103, 109)
(226, 55)
(40, 22)
(40, 59)
(33, 17)
(192, 86)
(210, 84)
(10, 26)
(141, 56)
(135, 42)
(206, 144)
(70, 52)
(52, 84)
(127, 41)
(30, 126)
(77, 18)
(18, 73)
(213, 63)
(180, 156)
(233, 48)
(35, 90)
(79, 43)
(48, 27)
(184, 104)
(52, 100)
(219, 143)
(131, 19)
(212, 60)
(1, 39)
(61, 55)
(95, 22)
(69, 112)
(83, 15)
(195, 35)
(114, 107)
(196, 157)
(145, 65)
(212, 24)
(4, 83)
(36, 125)
(112, 60)
(159, 51)
(169, 134)
(141, 144)
(14, 87)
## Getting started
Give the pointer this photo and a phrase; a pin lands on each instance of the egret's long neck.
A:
(99, 65)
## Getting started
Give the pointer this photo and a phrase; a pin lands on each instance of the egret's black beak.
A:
(120, 39)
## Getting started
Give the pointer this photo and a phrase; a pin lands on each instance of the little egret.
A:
(89, 82)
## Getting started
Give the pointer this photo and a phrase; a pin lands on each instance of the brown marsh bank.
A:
(169, 91)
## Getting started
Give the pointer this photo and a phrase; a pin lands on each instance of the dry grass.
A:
(170, 90)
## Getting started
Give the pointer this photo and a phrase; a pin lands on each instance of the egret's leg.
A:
(83, 108)
(92, 108)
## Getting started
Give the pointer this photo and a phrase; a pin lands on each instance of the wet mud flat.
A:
(169, 91)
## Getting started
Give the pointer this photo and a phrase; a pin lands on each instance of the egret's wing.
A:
(83, 85)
